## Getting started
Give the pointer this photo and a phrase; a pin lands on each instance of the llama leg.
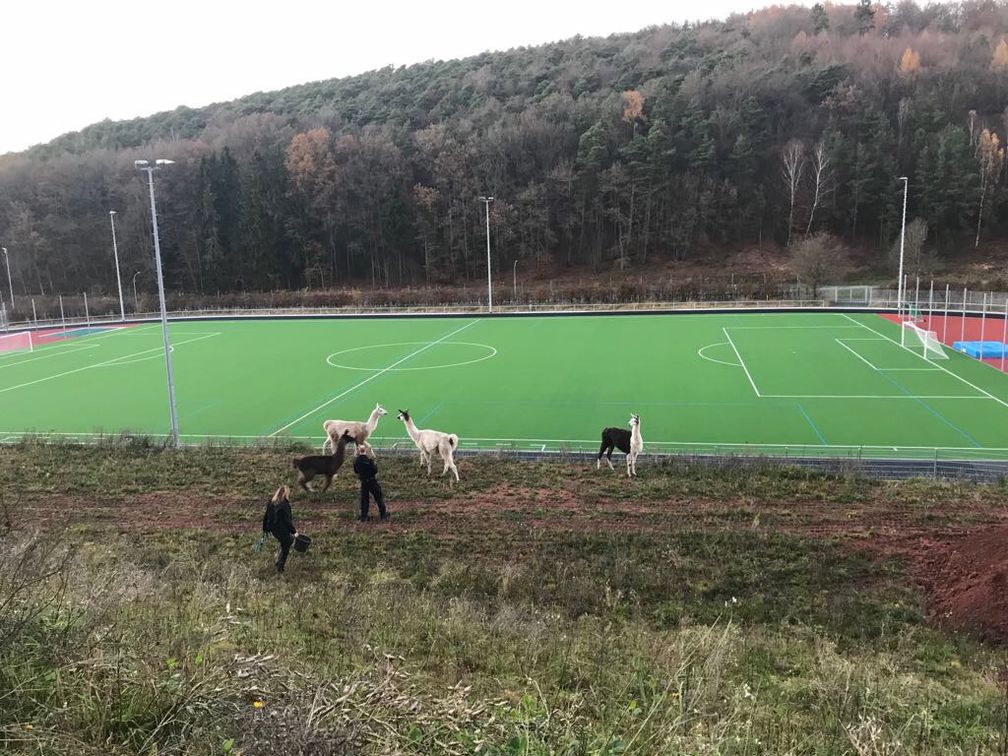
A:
(454, 469)
(370, 451)
(301, 481)
(328, 482)
(609, 459)
(430, 459)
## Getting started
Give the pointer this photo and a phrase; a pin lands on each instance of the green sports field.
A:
(809, 383)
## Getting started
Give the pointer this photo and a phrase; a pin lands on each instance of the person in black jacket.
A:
(279, 521)
(367, 470)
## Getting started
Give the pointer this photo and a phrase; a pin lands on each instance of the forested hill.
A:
(618, 151)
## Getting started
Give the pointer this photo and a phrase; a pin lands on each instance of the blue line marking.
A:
(822, 439)
(931, 409)
(429, 414)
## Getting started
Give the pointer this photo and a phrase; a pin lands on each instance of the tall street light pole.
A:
(115, 252)
(899, 283)
(9, 283)
(486, 201)
(144, 165)
(136, 299)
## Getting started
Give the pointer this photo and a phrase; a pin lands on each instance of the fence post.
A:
(87, 315)
(62, 316)
(34, 313)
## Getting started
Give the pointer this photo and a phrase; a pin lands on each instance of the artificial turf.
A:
(795, 383)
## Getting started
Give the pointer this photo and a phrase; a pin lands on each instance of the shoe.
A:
(384, 518)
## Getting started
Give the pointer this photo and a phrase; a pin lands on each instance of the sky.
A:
(66, 64)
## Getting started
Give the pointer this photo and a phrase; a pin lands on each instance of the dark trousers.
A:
(368, 488)
(285, 545)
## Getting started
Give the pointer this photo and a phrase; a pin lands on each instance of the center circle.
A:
(336, 360)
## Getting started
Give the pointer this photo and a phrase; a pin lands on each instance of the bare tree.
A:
(793, 156)
(822, 178)
(817, 258)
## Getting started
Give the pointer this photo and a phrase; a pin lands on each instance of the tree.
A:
(999, 62)
(817, 259)
(864, 16)
(990, 157)
(820, 20)
(793, 156)
(822, 180)
(909, 63)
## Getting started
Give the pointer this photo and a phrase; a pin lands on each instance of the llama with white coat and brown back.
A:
(430, 441)
(359, 431)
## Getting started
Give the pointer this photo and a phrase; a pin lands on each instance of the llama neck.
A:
(372, 421)
(412, 429)
(635, 432)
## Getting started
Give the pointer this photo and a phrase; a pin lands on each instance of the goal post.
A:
(16, 342)
(922, 342)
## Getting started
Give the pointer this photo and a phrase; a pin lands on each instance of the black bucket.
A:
(301, 542)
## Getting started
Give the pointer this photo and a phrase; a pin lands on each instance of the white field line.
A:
(112, 361)
(48, 356)
(700, 353)
(741, 361)
(940, 367)
(865, 396)
(785, 328)
(369, 379)
(537, 442)
(59, 346)
(856, 354)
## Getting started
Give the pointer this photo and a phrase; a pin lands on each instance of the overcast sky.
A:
(67, 63)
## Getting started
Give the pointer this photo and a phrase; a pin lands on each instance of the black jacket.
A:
(281, 524)
(365, 467)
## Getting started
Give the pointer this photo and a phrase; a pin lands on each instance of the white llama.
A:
(429, 441)
(636, 445)
(358, 431)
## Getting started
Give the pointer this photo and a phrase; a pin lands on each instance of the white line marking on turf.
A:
(838, 341)
(940, 367)
(112, 361)
(369, 379)
(864, 396)
(741, 361)
(48, 355)
(700, 353)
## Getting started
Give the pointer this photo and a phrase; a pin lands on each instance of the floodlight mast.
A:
(144, 165)
(486, 201)
(899, 283)
(115, 252)
(9, 282)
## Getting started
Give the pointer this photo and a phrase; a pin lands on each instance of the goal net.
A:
(924, 343)
(16, 342)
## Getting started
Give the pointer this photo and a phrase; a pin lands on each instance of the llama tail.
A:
(453, 440)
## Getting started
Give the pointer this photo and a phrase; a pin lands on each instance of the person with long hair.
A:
(278, 520)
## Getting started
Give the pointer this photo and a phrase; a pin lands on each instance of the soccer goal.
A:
(16, 342)
(924, 343)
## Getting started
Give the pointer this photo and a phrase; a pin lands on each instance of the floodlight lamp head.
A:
(902, 178)
(163, 161)
(111, 212)
(140, 164)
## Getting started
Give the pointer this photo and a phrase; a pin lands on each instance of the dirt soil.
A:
(956, 552)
